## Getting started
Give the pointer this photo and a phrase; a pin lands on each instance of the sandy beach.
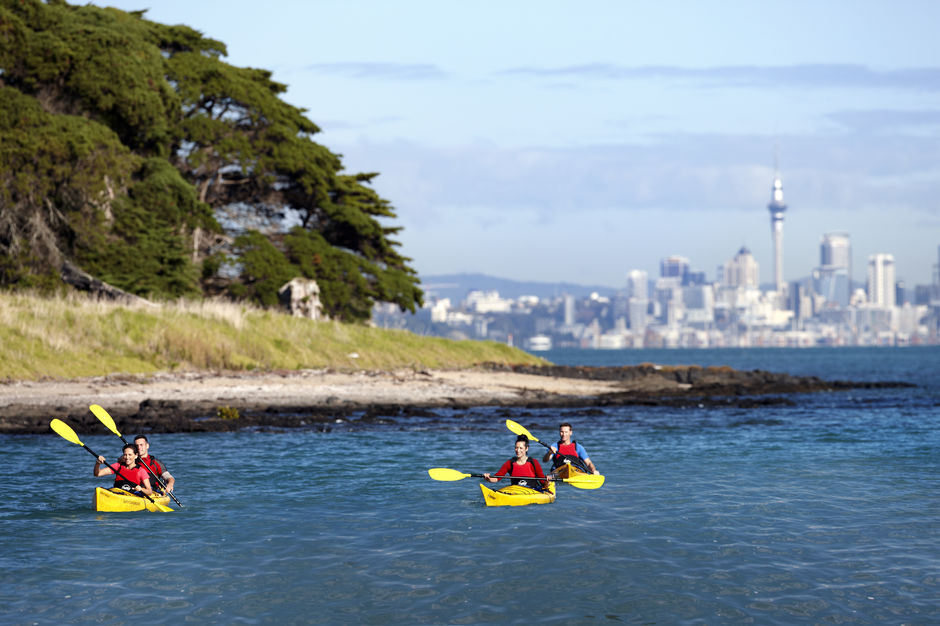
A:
(320, 388)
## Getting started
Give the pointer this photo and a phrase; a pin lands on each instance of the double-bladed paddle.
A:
(108, 421)
(65, 431)
(519, 429)
(586, 481)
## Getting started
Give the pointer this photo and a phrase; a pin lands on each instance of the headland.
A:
(225, 401)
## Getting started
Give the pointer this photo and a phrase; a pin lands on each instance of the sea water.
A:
(823, 508)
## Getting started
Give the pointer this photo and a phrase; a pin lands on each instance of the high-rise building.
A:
(742, 270)
(881, 276)
(638, 285)
(835, 250)
(638, 290)
(936, 270)
(675, 267)
(833, 278)
(569, 310)
(777, 208)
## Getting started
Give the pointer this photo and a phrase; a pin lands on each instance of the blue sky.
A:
(563, 141)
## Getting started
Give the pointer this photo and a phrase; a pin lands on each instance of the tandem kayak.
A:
(118, 500)
(517, 495)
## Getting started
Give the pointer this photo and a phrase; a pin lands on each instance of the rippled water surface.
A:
(823, 510)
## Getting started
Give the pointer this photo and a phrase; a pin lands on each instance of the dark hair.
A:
(563, 424)
(523, 438)
(144, 437)
(132, 448)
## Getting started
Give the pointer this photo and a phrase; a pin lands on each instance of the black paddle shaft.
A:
(502, 476)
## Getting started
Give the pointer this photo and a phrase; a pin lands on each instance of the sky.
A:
(576, 141)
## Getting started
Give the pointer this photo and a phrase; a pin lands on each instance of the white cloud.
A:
(808, 75)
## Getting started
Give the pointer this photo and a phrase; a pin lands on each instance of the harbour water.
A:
(822, 509)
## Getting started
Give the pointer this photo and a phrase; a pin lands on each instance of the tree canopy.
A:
(131, 149)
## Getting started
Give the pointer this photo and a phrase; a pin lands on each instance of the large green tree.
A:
(131, 148)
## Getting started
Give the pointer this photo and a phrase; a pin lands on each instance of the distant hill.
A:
(456, 287)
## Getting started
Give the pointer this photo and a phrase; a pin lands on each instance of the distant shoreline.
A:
(190, 402)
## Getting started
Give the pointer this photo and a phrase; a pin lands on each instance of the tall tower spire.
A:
(777, 208)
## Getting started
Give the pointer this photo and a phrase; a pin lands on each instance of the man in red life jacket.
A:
(153, 464)
(567, 449)
(521, 467)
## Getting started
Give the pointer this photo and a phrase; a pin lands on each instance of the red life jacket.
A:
(568, 452)
(568, 449)
(156, 467)
(526, 469)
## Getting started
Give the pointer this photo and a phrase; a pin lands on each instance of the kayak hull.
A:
(568, 471)
(517, 495)
(118, 500)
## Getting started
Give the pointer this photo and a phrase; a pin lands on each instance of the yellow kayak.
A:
(517, 495)
(116, 499)
(568, 471)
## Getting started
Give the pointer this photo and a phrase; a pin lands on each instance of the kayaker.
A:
(155, 465)
(521, 467)
(128, 474)
(573, 451)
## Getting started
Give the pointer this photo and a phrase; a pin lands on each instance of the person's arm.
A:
(144, 487)
(502, 471)
(159, 469)
(587, 461)
(101, 471)
(548, 455)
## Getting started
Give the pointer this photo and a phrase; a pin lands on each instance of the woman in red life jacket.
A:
(521, 467)
(128, 475)
(569, 450)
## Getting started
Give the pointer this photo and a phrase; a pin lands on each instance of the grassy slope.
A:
(74, 337)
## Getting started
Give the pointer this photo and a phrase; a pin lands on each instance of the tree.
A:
(183, 152)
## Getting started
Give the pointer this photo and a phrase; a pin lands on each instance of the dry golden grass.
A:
(74, 336)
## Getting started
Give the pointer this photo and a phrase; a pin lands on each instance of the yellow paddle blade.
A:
(586, 481)
(519, 429)
(163, 508)
(65, 431)
(442, 473)
(106, 419)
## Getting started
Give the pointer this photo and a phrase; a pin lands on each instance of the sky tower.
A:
(777, 208)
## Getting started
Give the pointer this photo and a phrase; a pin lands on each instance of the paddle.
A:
(586, 481)
(108, 421)
(519, 429)
(65, 431)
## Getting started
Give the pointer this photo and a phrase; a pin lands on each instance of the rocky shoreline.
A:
(213, 401)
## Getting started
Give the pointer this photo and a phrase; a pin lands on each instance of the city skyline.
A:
(547, 141)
